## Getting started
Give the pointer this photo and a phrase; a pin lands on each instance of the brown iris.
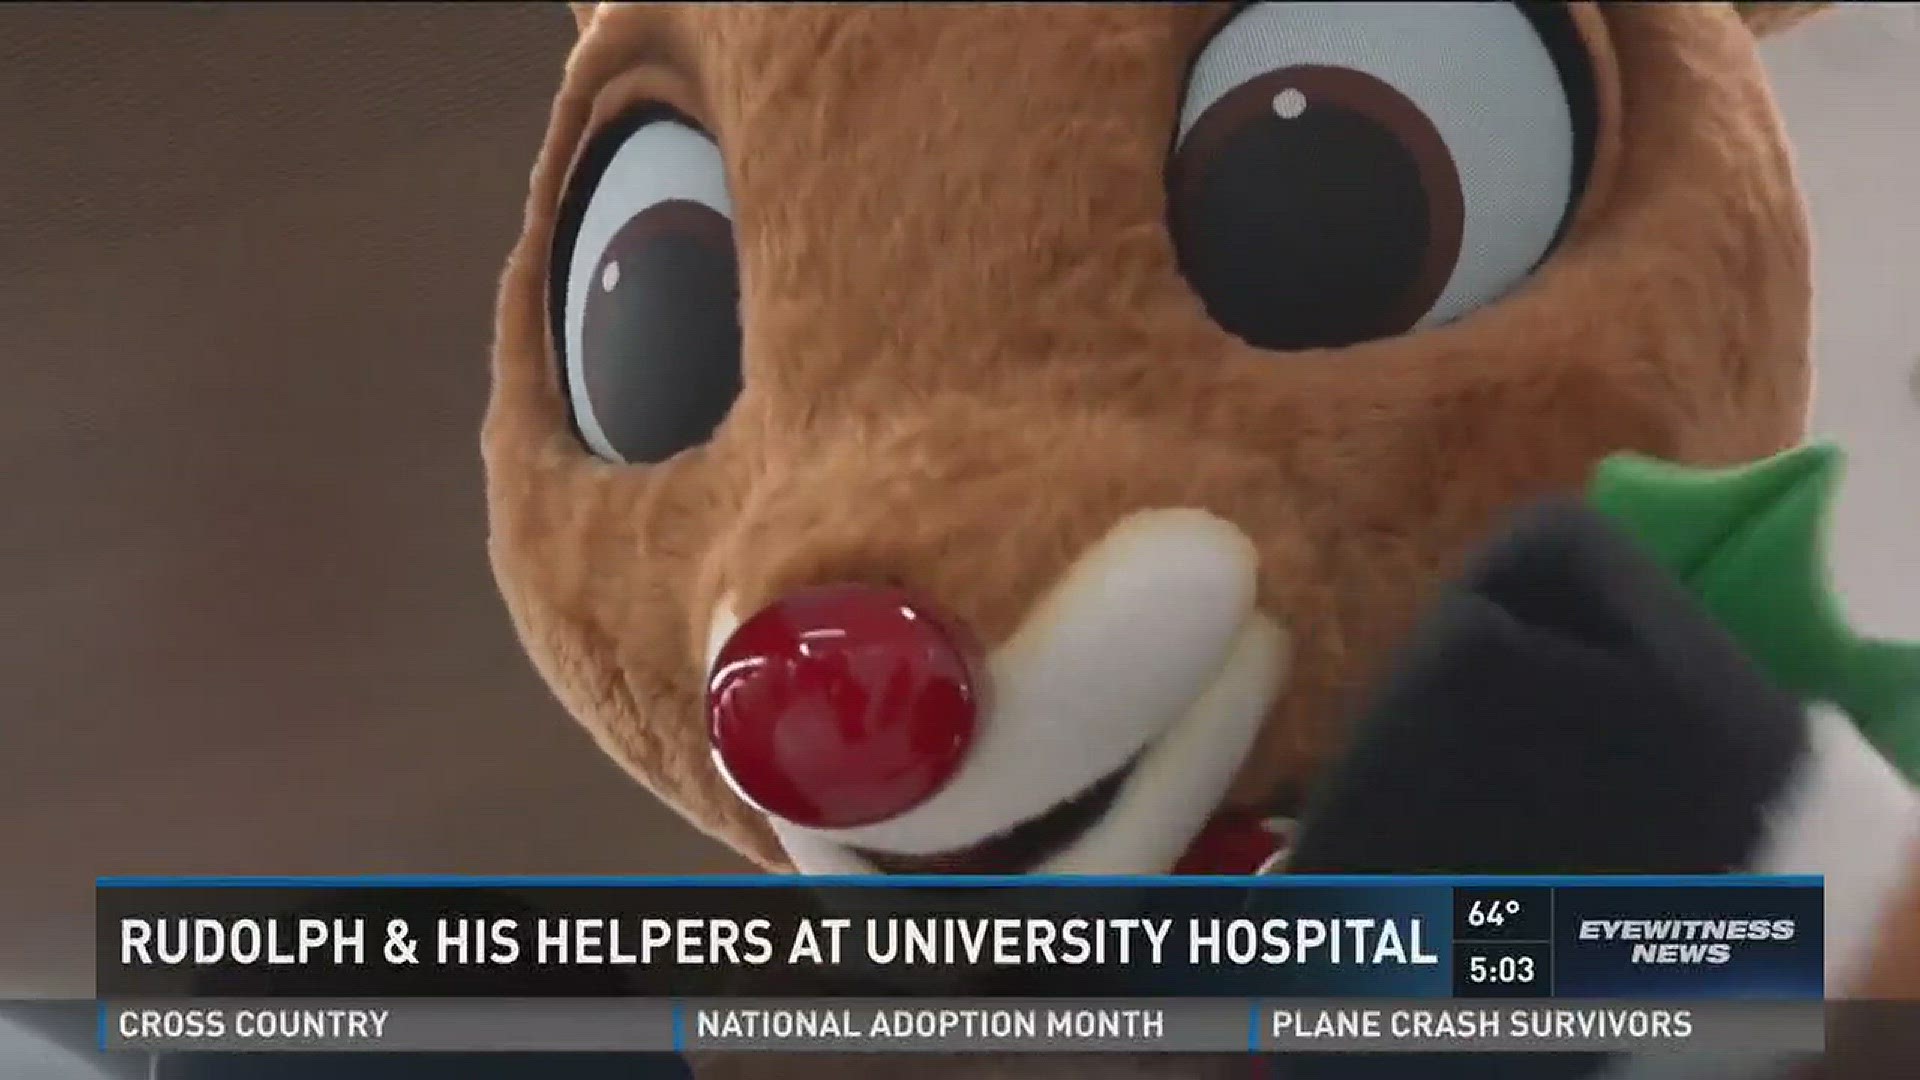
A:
(1315, 206)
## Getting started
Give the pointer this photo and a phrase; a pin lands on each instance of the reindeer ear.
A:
(583, 13)
(1767, 18)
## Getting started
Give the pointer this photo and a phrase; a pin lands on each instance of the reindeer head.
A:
(1008, 437)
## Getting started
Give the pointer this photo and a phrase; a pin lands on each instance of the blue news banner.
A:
(1267, 964)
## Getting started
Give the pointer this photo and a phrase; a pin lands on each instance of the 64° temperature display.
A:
(1492, 912)
(1516, 914)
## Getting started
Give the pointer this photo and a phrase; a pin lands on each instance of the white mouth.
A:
(1173, 787)
(1148, 668)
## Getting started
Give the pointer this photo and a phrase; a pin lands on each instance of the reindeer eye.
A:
(645, 291)
(1346, 172)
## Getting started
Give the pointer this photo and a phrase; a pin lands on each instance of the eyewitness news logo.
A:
(1687, 941)
(1622, 942)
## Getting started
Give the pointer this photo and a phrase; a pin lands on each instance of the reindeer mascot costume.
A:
(1146, 438)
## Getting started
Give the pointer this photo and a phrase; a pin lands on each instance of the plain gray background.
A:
(247, 266)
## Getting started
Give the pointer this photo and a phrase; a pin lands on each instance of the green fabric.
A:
(1750, 543)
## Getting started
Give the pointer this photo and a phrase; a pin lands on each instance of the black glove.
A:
(1566, 708)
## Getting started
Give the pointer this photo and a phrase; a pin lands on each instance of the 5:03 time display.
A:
(1511, 970)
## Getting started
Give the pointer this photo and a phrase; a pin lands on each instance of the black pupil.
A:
(660, 345)
(1305, 225)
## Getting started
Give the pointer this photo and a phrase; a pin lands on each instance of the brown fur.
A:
(1010, 326)
(1675, 320)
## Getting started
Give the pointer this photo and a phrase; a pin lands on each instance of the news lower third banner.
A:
(1278, 963)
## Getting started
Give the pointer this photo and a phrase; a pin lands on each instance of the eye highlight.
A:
(1346, 172)
(644, 291)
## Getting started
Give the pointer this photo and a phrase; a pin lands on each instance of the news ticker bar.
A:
(1092, 1025)
(692, 938)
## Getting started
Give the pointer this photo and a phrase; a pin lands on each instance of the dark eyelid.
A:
(1233, 12)
(1573, 58)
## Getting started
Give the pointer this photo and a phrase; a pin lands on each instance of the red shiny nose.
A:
(841, 706)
